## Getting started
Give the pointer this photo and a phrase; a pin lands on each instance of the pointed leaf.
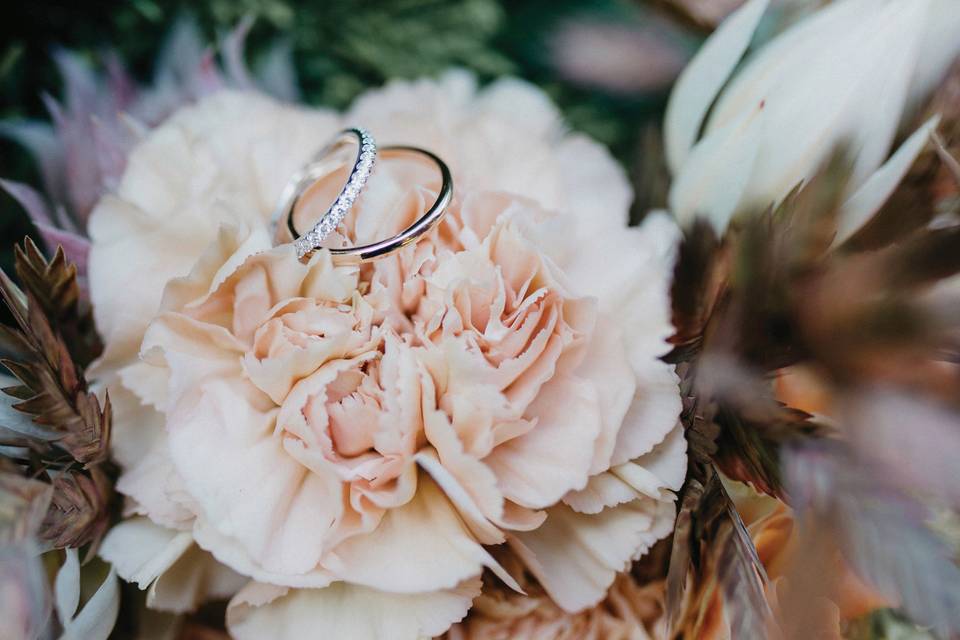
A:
(699, 84)
(67, 586)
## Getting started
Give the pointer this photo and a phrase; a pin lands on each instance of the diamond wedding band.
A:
(324, 163)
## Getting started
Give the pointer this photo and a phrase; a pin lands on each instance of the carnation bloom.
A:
(847, 74)
(352, 442)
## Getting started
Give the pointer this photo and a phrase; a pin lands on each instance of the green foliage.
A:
(340, 48)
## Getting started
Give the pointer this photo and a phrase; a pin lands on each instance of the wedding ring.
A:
(325, 162)
(307, 244)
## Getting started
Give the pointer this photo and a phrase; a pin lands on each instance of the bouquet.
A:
(483, 396)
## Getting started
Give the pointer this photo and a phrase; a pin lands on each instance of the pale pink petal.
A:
(156, 489)
(576, 556)
(195, 578)
(652, 415)
(179, 576)
(257, 494)
(607, 367)
(140, 550)
(604, 490)
(347, 611)
(419, 547)
(536, 469)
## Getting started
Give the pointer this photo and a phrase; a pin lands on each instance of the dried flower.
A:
(632, 610)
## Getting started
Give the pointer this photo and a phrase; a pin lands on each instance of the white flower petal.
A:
(653, 414)
(701, 81)
(536, 469)
(67, 586)
(95, 621)
(257, 493)
(869, 198)
(140, 550)
(344, 611)
(419, 547)
(713, 180)
(576, 556)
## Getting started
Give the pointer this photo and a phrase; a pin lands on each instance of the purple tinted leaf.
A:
(181, 52)
(79, 81)
(112, 143)
(81, 176)
(232, 49)
(121, 86)
(208, 78)
(276, 73)
(915, 441)
(30, 200)
(743, 579)
(26, 606)
(881, 531)
(41, 141)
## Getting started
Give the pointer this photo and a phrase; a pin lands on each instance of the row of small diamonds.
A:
(341, 206)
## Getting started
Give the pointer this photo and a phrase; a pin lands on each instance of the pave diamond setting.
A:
(362, 167)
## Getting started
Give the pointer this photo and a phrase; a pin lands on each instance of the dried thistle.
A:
(52, 427)
(777, 292)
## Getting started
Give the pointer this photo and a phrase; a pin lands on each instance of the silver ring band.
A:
(307, 244)
(323, 163)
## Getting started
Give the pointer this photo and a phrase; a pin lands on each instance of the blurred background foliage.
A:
(341, 47)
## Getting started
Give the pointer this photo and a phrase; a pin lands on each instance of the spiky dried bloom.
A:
(777, 293)
(78, 512)
(53, 427)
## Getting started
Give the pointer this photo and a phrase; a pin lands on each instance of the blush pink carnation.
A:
(354, 441)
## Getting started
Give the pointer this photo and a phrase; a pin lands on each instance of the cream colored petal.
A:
(607, 367)
(712, 181)
(179, 576)
(652, 415)
(599, 194)
(156, 489)
(660, 472)
(230, 553)
(870, 197)
(635, 295)
(135, 427)
(256, 493)
(603, 491)
(96, 619)
(576, 556)
(192, 580)
(140, 550)
(419, 547)
(939, 48)
(469, 483)
(234, 243)
(701, 81)
(148, 382)
(66, 586)
(838, 82)
(347, 612)
(536, 469)
(656, 475)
